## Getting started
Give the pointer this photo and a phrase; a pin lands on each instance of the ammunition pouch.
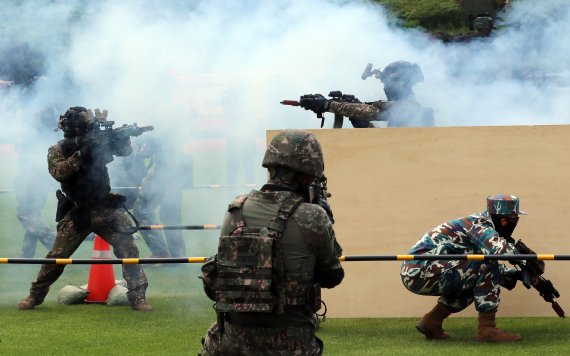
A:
(244, 280)
(209, 275)
(64, 204)
(250, 276)
(314, 300)
(300, 292)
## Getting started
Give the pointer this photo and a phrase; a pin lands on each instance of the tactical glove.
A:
(509, 279)
(85, 150)
(316, 103)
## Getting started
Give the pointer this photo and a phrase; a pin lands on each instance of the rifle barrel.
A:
(290, 102)
(558, 309)
(180, 227)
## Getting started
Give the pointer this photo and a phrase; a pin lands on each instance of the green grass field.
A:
(183, 313)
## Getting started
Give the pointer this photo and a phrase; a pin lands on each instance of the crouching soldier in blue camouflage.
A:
(276, 250)
(86, 205)
(460, 283)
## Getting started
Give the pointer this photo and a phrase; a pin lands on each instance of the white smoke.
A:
(218, 69)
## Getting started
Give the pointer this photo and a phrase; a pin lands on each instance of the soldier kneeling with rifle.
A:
(459, 283)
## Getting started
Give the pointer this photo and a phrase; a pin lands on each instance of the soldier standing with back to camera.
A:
(86, 205)
(276, 250)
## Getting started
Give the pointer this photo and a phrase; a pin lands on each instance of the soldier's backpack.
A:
(249, 265)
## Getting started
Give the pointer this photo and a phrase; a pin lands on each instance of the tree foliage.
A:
(432, 15)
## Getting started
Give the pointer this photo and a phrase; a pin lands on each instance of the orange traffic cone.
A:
(101, 277)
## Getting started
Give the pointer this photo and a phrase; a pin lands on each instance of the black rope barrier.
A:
(65, 261)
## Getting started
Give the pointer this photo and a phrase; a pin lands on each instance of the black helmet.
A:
(399, 78)
(76, 121)
(403, 72)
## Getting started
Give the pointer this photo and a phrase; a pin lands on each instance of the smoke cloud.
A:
(212, 73)
(179, 65)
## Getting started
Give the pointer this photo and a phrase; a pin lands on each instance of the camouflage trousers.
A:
(110, 224)
(239, 340)
(458, 283)
(35, 230)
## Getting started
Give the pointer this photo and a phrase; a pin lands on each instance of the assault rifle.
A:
(105, 131)
(103, 134)
(318, 194)
(532, 270)
(335, 95)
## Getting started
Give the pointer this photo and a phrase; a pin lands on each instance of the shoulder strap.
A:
(286, 209)
(235, 208)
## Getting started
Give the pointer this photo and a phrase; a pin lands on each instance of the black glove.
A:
(316, 103)
(509, 279)
(85, 150)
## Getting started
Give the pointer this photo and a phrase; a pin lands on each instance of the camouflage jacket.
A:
(474, 234)
(308, 247)
(398, 113)
(359, 111)
(83, 180)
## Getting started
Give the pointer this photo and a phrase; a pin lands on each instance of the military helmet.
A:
(402, 71)
(76, 120)
(503, 204)
(297, 150)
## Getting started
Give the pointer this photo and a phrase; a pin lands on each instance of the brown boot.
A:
(142, 306)
(29, 302)
(431, 324)
(488, 330)
(138, 303)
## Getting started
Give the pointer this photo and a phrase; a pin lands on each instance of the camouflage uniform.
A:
(459, 283)
(86, 182)
(161, 190)
(398, 113)
(309, 252)
(401, 109)
(31, 193)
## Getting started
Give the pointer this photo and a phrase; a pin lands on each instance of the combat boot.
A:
(30, 302)
(488, 331)
(138, 302)
(141, 305)
(431, 324)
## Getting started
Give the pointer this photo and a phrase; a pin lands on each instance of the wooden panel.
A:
(390, 186)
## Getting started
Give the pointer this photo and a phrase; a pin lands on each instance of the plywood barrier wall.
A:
(390, 186)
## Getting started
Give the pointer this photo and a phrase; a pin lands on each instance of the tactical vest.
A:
(250, 271)
(90, 184)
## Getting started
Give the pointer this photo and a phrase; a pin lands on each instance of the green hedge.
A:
(432, 15)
